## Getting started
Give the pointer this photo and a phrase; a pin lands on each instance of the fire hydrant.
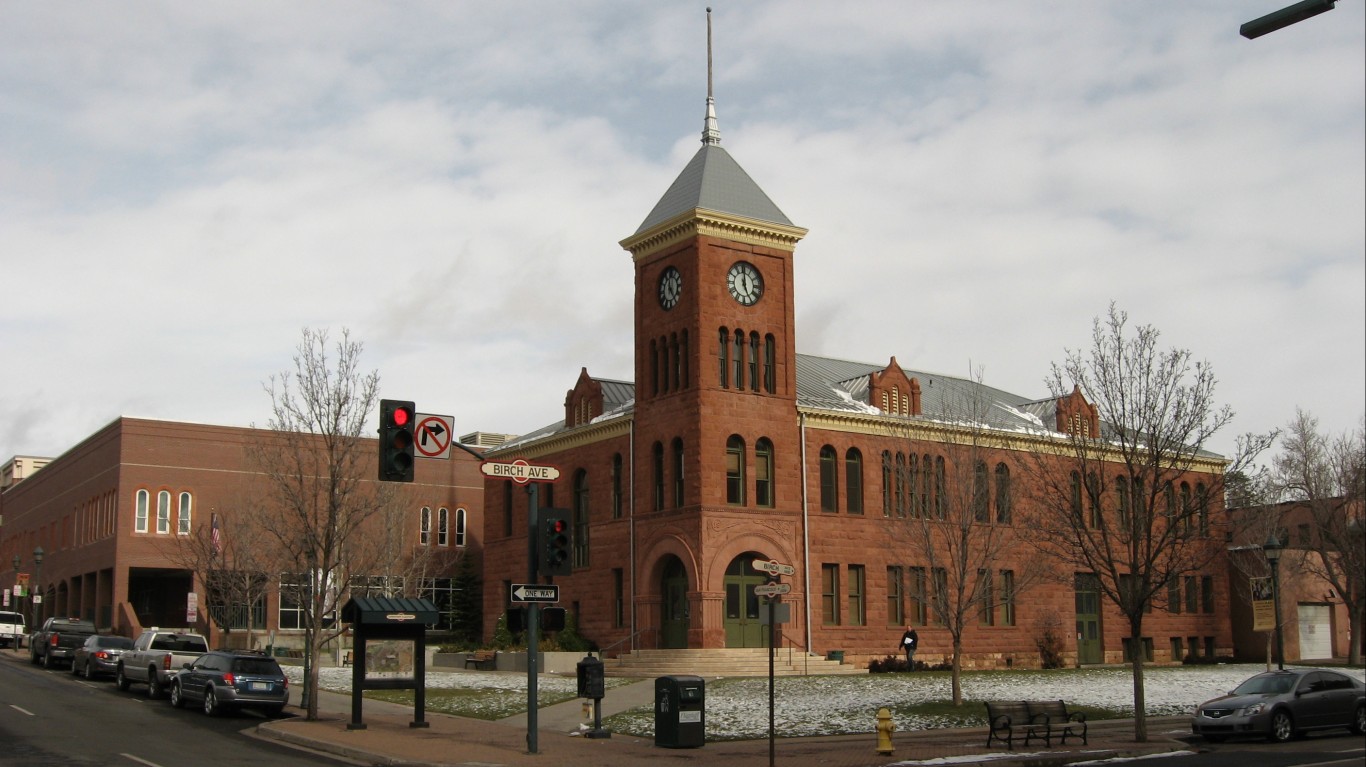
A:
(885, 727)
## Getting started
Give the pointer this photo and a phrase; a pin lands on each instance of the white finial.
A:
(710, 133)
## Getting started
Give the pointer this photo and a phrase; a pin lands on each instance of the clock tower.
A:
(717, 441)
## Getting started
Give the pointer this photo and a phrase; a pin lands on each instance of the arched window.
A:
(1122, 500)
(735, 471)
(770, 356)
(664, 364)
(913, 482)
(940, 488)
(678, 472)
(443, 526)
(676, 362)
(739, 359)
(900, 484)
(1202, 506)
(853, 481)
(657, 475)
(1076, 497)
(461, 521)
(754, 361)
(1187, 508)
(763, 472)
(581, 519)
(683, 360)
(616, 486)
(723, 349)
(143, 500)
(886, 483)
(164, 512)
(1003, 500)
(829, 479)
(183, 515)
(926, 485)
(981, 493)
(424, 535)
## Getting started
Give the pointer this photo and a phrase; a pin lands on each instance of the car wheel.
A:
(1282, 726)
(47, 660)
(1359, 721)
(153, 684)
(75, 670)
(120, 679)
(176, 700)
(210, 702)
(1214, 738)
(89, 670)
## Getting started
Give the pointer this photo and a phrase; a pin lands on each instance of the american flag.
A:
(217, 537)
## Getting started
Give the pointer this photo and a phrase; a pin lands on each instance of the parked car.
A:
(99, 656)
(157, 654)
(1282, 704)
(57, 640)
(12, 629)
(223, 680)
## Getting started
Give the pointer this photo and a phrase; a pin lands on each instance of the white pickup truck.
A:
(11, 629)
(157, 656)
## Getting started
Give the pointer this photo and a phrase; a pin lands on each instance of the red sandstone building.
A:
(731, 447)
(109, 513)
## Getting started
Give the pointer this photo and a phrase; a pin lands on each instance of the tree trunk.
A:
(1354, 621)
(1140, 699)
(957, 666)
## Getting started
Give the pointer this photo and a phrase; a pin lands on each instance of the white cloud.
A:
(183, 187)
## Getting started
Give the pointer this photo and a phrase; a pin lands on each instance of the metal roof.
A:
(714, 181)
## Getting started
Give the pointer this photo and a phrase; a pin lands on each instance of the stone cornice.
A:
(601, 431)
(700, 221)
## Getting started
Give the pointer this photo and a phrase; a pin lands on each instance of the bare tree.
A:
(1325, 474)
(321, 506)
(957, 503)
(1113, 503)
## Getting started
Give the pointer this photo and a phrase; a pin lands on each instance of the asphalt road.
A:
(54, 719)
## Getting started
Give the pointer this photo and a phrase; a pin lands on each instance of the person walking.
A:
(909, 641)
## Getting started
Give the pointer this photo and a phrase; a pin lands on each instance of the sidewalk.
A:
(452, 741)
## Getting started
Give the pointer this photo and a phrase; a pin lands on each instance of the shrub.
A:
(1049, 640)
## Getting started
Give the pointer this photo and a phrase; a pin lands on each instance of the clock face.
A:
(745, 283)
(670, 287)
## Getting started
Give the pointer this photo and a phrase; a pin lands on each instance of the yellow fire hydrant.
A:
(885, 727)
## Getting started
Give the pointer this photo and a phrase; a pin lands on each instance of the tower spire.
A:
(710, 133)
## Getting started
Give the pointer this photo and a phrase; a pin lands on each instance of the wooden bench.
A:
(1043, 720)
(1056, 721)
(348, 658)
(485, 659)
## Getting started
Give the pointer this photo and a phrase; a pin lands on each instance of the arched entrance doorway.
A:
(673, 587)
(742, 604)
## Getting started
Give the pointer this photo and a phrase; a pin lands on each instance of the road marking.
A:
(139, 761)
(21, 710)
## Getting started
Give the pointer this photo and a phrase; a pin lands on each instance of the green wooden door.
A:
(743, 628)
(1089, 646)
(675, 619)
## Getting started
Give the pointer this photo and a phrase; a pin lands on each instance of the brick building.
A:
(111, 513)
(730, 447)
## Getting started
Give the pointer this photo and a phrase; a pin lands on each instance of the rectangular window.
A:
(919, 602)
(1007, 597)
(1192, 594)
(940, 596)
(507, 507)
(1176, 649)
(896, 599)
(858, 609)
(1209, 647)
(830, 595)
(616, 486)
(618, 598)
(986, 598)
(294, 594)
(1174, 595)
(1207, 594)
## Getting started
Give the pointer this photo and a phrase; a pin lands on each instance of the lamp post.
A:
(1272, 548)
(17, 562)
(1293, 14)
(38, 565)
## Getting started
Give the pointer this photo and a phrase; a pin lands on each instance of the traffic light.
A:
(554, 542)
(552, 619)
(396, 448)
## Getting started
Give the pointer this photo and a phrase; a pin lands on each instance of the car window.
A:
(263, 666)
(1312, 683)
(163, 642)
(119, 643)
(1333, 681)
(1265, 685)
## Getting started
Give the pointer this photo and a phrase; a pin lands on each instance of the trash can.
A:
(837, 655)
(680, 712)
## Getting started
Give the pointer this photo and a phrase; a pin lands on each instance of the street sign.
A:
(433, 435)
(772, 589)
(520, 471)
(773, 567)
(535, 592)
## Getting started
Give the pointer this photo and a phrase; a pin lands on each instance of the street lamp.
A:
(1294, 14)
(38, 564)
(1272, 548)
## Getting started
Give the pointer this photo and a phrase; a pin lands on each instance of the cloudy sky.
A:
(184, 187)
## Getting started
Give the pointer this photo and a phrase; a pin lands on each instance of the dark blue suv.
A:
(224, 680)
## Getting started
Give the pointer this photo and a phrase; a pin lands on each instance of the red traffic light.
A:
(558, 525)
(402, 416)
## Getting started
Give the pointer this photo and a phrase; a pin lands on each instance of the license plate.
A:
(258, 686)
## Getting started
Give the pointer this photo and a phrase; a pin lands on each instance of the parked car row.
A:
(1284, 704)
(179, 665)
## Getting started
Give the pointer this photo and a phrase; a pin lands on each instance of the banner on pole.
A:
(1263, 605)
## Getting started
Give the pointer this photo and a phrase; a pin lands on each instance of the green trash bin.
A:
(680, 712)
(836, 655)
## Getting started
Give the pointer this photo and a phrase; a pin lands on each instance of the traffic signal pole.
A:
(533, 616)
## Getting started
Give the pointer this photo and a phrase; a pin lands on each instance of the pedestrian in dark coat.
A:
(909, 641)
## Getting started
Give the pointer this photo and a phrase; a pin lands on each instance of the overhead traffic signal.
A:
(555, 542)
(397, 451)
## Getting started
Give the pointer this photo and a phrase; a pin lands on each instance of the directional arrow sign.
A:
(773, 567)
(772, 589)
(534, 592)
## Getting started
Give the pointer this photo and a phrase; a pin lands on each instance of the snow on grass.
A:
(737, 708)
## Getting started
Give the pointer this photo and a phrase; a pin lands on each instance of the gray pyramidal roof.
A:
(714, 181)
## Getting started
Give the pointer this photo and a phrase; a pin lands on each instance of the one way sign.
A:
(532, 592)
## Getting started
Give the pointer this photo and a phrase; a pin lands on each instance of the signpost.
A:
(524, 472)
(774, 591)
(773, 567)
